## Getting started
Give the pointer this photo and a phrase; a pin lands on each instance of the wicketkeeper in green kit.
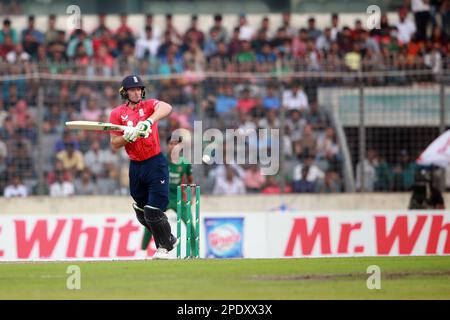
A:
(179, 169)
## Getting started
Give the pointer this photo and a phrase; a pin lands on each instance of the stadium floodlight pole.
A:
(282, 131)
(362, 133)
(40, 155)
(442, 114)
(442, 118)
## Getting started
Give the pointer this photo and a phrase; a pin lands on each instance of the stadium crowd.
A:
(197, 65)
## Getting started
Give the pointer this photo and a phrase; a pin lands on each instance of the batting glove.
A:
(130, 134)
(145, 127)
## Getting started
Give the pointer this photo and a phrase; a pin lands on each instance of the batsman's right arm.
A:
(117, 142)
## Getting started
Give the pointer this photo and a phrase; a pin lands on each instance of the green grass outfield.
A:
(328, 278)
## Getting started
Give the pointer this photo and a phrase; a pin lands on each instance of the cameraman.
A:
(424, 193)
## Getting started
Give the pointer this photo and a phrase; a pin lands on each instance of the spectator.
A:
(6, 46)
(18, 55)
(433, 57)
(331, 183)
(194, 57)
(221, 60)
(246, 102)
(404, 172)
(245, 30)
(148, 45)
(31, 32)
(101, 29)
(92, 112)
(345, 40)
(312, 173)
(296, 123)
(254, 180)
(271, 100)
(95, 159)
(271, 121)
(174, 34)
(16, 188)
(225, 101)
(165, 45)
(104, 60)
(266, 59)
(334, 29)
(422, 17)
(357, 30)
(235, 44)
(51, 34)
(313, 32)
(85, 186)
(307, 144)
(211, 43)
(369, 44)
(295, 98)
(303, 185)
(72, 159)
(20, 155)
(246, 57)
(80, 40)
(384, 177)
(63, 185)
(265, 28)
(259, 41)
(273, 187)
(124, 27)
(406, 28)
(353, 58)
(222, 33)
(8, 31)
(369, 166)
(323, 42)
(230, 185)
(299, 43)
(316, 117)
(193, 34)
(149, 22)
(286, 24)
(173, 64)
(384, 29)
(328, 150)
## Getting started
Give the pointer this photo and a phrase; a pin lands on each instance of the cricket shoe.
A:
(163, 253)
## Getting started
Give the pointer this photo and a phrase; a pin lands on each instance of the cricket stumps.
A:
(192, 227)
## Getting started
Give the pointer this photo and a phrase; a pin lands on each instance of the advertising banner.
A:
(231, 235)
(224, 237)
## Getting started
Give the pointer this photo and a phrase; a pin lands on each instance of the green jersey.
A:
(176, 173)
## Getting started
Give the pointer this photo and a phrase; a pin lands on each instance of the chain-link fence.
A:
(330, 116)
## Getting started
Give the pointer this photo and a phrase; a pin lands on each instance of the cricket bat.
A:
(94, 125)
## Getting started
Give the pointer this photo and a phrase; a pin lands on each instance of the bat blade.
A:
(94, 125)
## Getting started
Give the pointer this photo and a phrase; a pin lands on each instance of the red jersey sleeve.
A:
(151, 104)
(114, 118)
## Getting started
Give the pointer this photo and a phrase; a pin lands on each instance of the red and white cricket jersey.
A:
(142, 148)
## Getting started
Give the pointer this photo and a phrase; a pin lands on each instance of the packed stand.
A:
(202, 81)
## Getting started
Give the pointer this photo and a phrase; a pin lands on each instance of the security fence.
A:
(341, 128)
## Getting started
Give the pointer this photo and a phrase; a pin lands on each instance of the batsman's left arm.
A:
(162, 110)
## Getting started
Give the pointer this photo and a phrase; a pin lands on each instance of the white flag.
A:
(438, 152)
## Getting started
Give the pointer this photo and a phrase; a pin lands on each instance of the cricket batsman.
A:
(179, 169)
(149, 175)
